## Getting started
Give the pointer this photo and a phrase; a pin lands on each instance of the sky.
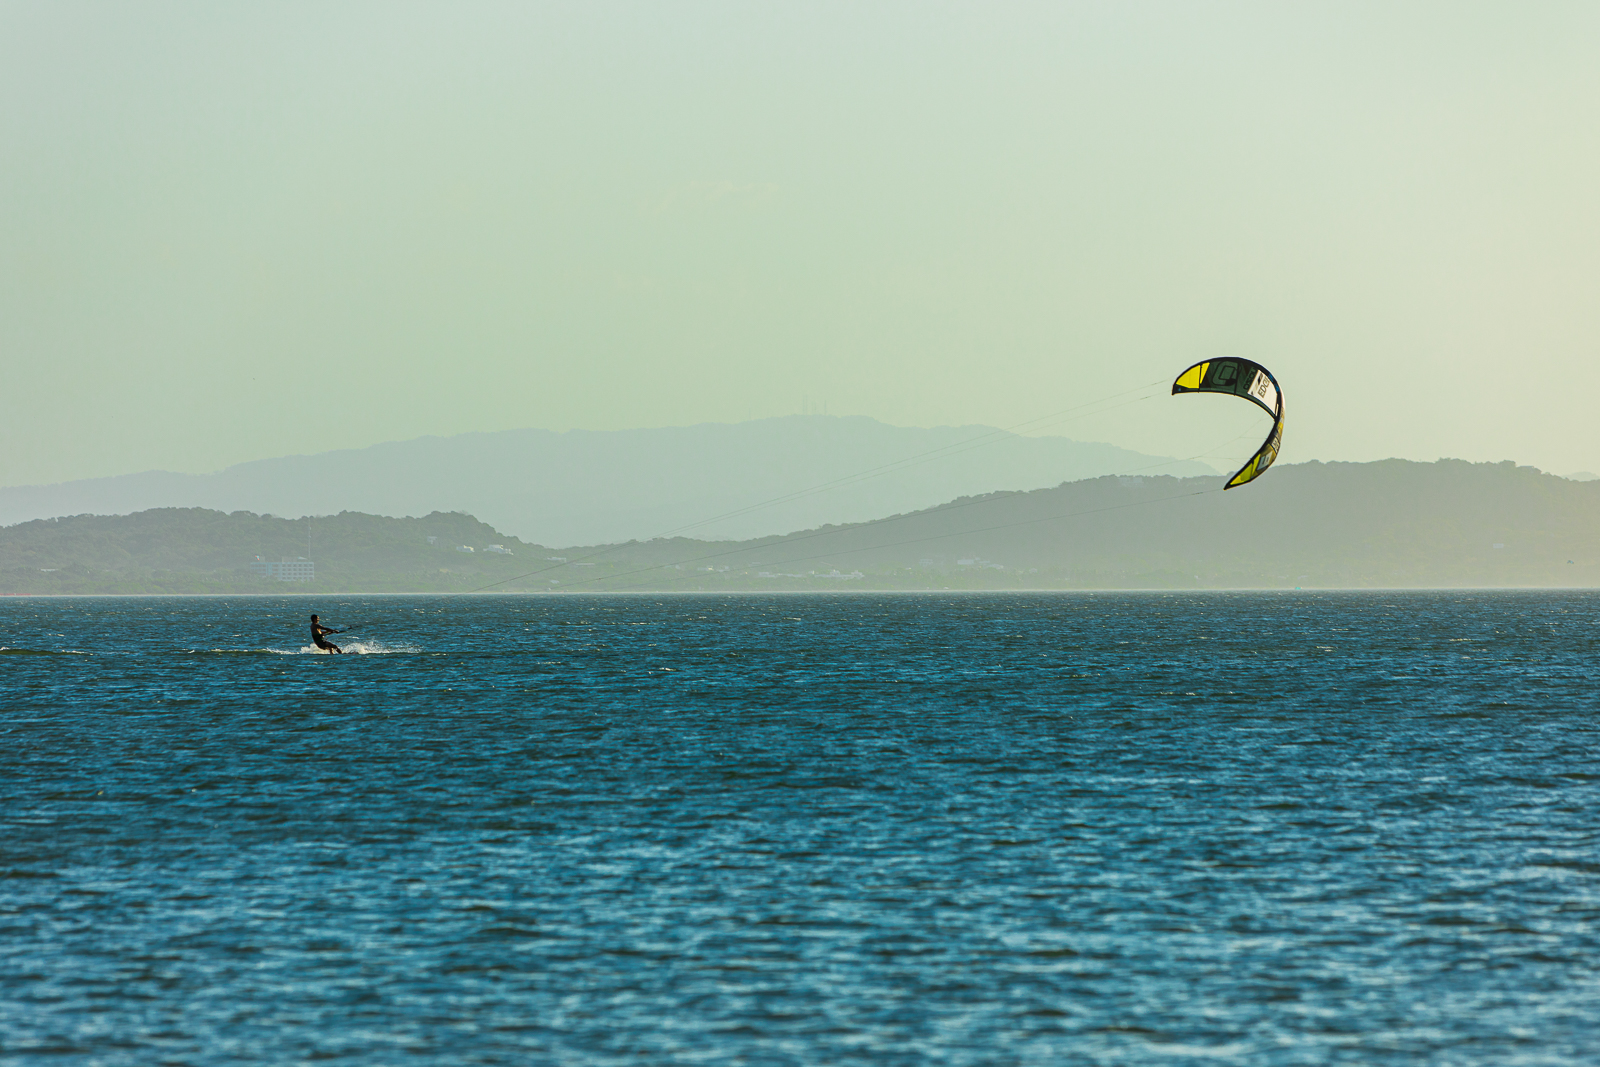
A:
(232, 231)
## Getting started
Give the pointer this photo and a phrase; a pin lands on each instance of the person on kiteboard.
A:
(317, 638)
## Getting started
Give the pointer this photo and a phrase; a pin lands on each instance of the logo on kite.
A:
(1253, 382)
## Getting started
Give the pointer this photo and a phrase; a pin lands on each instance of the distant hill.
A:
(1337, 525)
(194, 550)
(584, 487)
(1313, 525)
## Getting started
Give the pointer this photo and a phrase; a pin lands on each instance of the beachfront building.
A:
(285, 570)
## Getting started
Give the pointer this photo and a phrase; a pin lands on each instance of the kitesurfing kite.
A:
(1241, 377)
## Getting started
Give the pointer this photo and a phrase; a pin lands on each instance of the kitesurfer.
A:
(317, 638)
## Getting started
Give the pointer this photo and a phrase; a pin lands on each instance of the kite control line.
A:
(942, 452)
(1243, 378)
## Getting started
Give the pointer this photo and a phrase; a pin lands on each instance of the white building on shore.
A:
(285, 570)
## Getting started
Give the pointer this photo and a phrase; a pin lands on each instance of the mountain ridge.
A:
(1389, 524)
(583, 486)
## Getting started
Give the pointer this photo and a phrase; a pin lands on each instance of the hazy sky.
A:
(232, 231)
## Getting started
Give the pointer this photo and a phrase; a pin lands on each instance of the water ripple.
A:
(852, 829)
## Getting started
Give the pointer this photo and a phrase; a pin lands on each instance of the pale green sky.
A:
(233, 231)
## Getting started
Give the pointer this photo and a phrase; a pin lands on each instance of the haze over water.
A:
(1287, 828)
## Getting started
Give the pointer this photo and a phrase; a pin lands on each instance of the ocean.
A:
(1098, 828)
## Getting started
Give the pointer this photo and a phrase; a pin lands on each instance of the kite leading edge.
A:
(1250, 380)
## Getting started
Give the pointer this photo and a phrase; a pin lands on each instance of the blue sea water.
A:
(1247, 828)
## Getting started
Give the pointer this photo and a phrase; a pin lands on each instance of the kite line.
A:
(989, 437)
(1239, 377)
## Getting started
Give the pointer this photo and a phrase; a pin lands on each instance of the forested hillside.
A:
(169, 550)
(1391, 523)
(583, 486)
(1336, 525)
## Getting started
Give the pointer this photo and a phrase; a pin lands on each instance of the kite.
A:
(1253, 382)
